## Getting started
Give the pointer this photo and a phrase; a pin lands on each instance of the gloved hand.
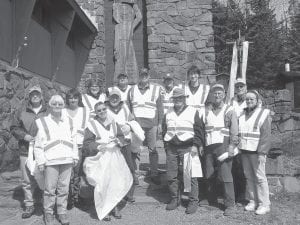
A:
(262, 158)
(194, 151)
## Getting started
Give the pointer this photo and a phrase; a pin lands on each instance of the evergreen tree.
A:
(266, 54)
(294, 43)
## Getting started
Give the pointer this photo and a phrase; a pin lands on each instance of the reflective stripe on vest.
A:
(180, 125)
(83, 118)
(144, 106)
(249, 130)
(55, 142)
(87, 102)
(96, 131)
(215, 126)
(197, 100)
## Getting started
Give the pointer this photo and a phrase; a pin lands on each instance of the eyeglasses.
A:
(57, 104)
(101, 110)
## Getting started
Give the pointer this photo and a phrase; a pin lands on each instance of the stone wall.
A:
(283, 163)
(180, 34)
(14, 85)
(95, 65)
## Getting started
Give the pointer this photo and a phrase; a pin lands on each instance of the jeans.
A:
(57, 179)
(29, 184)
(150, 142)
(257, 189)
(175, 158)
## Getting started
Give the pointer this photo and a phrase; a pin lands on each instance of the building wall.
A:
(180, 34)
(95, 66)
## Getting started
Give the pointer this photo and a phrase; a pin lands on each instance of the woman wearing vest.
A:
(121, 114)
(56, 153)
(122, 86)
(196, 91)
(255, 137)
(79, 116)
(221, 126)
(93, 95)
(145, 103)
(105, 166)
(183, 133)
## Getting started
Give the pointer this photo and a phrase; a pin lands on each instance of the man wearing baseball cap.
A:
(167, 92)
(24, 130)
(122, 87)
(184, 138)
(221, 126)
(145, 103)
(238, 101)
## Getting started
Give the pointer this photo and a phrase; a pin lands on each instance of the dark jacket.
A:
(24, 123)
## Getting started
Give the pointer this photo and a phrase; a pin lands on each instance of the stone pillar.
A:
(180, 34)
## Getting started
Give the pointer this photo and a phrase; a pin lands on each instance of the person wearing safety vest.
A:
(239, 104)
(119, 111)
(255, 141)
(56, 152)
(122, 86)
(93, 95)
(145, 103)
(184, 137)
(196, 91)
(221, 127)
(79, 116)
(103, 130)
(24, 131)
(167, 92)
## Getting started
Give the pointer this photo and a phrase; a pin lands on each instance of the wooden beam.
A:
(22, 16)
(62, 18)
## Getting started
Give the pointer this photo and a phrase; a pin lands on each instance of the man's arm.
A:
(231, 122)
(17, 128)
(199, 131)
(89, 143)
(160, 108)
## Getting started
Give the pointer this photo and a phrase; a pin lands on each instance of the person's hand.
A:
(194, 151)
(201, 150)
(75, 162)
(125, 129)
(230, 151)
(41, 168)
(262, 158)
(28, 138)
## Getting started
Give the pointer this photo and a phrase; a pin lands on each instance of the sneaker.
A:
(173, 204)
(136, 180)
(49, 219)
(63, 219)
(262, 210)
(230, 211)
(107, 218)
(192, 207)
(130, 199)
(28, 212)
(250, 206)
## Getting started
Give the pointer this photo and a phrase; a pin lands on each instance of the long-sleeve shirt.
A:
(24, 124)
(146, 122)
(199, 132)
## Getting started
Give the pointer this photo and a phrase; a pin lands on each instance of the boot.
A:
(192, 207)
(173, 204)
(116, 213)
(28, 212)
(230, 211)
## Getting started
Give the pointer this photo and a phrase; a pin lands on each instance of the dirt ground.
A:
(150, 209)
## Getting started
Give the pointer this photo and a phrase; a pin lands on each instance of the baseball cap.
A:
(144, 71)
(114, 92)
(218, 86)
(240, 81)
(168, 76)
(35, 88)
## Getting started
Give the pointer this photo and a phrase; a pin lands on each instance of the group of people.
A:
(98, 136)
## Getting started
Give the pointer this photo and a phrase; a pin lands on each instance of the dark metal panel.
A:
(5, 30)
